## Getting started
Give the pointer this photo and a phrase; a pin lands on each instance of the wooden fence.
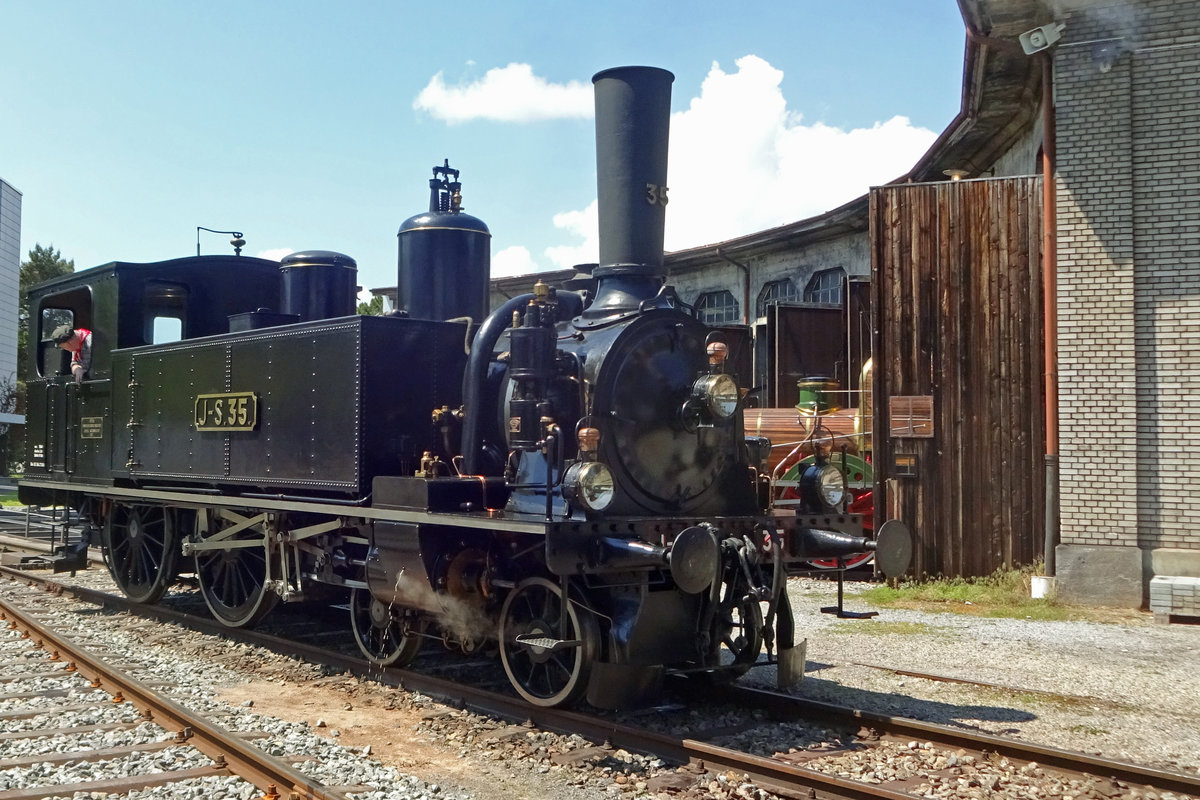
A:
(959, 423)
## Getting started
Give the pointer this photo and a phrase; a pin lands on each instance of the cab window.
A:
(165, 312)
(71, 308)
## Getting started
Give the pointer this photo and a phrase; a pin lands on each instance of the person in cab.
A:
(77, 342)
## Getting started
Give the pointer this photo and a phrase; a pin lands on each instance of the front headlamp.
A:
(824, 483)
(718, 393)
(590, 484)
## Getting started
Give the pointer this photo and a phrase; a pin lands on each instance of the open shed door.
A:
(803, 341)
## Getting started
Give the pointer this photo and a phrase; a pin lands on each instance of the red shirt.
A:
(83, 353)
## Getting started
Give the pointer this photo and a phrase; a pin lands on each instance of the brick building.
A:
(10, 288)
(1128, 115)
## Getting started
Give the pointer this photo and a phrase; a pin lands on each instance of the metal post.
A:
(1050, 307)
(1052, 512)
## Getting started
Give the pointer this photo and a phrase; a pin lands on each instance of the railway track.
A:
(931, 758)
(43, 668)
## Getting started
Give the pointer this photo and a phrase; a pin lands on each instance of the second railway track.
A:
(81, 713)
(89, 682)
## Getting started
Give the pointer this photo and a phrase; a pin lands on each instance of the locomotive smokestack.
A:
(633, 116)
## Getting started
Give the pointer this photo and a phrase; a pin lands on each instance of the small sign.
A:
(229, 411)
(911, 417)
(91, 428)
(904, 465)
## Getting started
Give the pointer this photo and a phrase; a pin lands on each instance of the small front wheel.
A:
(381, 632)
(547, 661)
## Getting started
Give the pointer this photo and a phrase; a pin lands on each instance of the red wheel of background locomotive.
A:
(863, 504)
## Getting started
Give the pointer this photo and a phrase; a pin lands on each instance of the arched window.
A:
(718, 308)
(780, 291)
(825, 287)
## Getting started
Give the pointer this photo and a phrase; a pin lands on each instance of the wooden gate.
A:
(959, 422)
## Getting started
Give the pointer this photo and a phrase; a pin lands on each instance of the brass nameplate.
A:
(230, 411)
(91, 427)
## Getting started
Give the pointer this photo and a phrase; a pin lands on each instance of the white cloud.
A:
(583, 224)
(513, 261)
(278, 254)
(741, 162)
(506, 94)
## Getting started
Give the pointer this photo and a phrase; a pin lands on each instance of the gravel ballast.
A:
(1128, 690)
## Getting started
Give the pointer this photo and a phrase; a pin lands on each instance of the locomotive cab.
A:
(70, 427)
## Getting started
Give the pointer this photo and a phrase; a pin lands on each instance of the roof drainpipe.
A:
(745, 285)
(1050, 307)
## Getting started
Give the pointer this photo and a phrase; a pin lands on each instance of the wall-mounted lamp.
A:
(1039, 39)
(237, 241)
(955, 174)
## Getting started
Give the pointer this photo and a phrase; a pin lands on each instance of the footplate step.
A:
(546, 643)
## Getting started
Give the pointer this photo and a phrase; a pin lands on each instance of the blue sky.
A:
(314, 125)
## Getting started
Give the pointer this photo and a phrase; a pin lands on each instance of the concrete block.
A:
(1173, 595)
(1102, 575)
(1175, 561)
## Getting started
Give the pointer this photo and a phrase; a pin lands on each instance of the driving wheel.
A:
(141, 547)
(234, 570)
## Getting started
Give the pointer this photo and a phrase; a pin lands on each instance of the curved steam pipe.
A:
(570, 305)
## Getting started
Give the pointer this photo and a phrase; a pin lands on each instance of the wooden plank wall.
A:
(956, 270)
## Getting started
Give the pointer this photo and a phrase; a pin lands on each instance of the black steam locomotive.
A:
(567, 479)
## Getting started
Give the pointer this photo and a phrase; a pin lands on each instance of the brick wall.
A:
(1096, 319)
(1128, 118)
(1166, 126)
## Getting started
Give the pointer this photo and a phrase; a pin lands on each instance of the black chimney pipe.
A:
(633, 118)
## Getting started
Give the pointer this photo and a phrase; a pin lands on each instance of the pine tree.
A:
(43, 264)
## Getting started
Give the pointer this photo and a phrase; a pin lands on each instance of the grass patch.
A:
(9, 498)
(1090, 730)
(1061, 702)
(1004, 593)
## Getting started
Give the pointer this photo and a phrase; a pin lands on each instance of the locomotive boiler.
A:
(564, 481)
